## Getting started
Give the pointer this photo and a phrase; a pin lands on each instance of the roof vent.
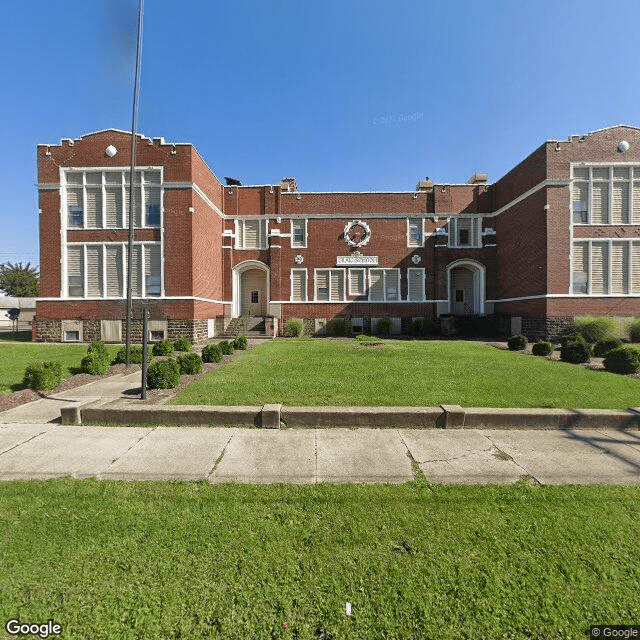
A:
(289, 184)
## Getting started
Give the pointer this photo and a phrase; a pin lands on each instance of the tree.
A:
(19, 281)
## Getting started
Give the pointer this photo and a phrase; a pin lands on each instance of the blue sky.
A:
(344, 95)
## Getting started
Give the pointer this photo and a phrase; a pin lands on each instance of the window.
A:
(465, 232)
(414, 233)
(100, 199)
(604, 195)
(609, 267)
(459, 295)
(156, 336)
(415, 285)
(357, 282)
(99, 270)
(384, 284)
(72, 336)
(299, 233)
(251, 234)
(329, 285)
(255, 297)
(299, 285)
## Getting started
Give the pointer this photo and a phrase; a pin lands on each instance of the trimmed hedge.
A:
(96, 363)
(226, 348)
(164, 374)
(384, 327)
(542, 349)
(424, 327)
(135, 355)
(182, 344)
(338, 327)
(602, 347)
(633, 327)
(43, 376)
(623, 360)
(517, 343)
(294, 328)
(163, 348)
(575, 349)
(241, 343)
(211, 353)
(595, 328)
(190, 363)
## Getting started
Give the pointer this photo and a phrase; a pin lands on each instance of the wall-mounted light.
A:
(173, 150)
(192, 210)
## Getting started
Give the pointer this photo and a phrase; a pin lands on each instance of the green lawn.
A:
(164, 560)
(406, 373)
(16, 355)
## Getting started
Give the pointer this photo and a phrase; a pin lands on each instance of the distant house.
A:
(558, 236)
(27, 308)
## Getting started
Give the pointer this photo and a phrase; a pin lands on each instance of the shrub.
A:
(241, 343)
(190, 363)
(135, 355)
(542, 349)
(182, 344)
(517, 343)
(384, 327)
(424, 327)
(294, 328)
(595, 328)
(633, 327)
(96, 363)
(623, 359)
(43, 376)
(164, 374)
(162, 348)
(363, 338)
(226, 348)
(211, 353)
(575, 349)
(602, 347)
(97, 346)
(337, 327)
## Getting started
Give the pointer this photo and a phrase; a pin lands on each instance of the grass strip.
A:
(192, 560)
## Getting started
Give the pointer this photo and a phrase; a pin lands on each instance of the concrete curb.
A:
(273, 416)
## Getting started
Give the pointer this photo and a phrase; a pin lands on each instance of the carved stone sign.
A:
(353, 260)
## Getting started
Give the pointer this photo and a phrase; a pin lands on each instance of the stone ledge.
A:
(272, 416)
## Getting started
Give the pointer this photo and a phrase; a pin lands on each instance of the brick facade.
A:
(502, 249)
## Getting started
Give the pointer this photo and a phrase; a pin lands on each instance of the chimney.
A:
(289, 184)
(424, 185)
(478, 178)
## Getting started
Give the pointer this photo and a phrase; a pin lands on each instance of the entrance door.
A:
(462, 301)
(253, 293)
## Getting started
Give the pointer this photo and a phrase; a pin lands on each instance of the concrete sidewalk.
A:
(221, 454)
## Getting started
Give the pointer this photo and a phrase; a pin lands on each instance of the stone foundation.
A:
(545, 328)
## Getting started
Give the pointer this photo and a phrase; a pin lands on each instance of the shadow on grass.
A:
(17, 336)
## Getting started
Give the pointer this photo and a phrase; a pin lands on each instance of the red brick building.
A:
(556, 237)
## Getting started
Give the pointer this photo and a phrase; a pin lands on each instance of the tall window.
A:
(298, 285)
(100, 199)
(415, 284)
(329, 285)
(357, 282)
(415, 236)
(604, 195)
(299, 233)
(384, 285)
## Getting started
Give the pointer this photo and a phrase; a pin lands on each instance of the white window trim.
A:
(424, 279)
(422, 240)
(306, 280)
(364, 282)
(384, 283)
(304, 244)
(263, 233)
(634, 176)
(452, 241)
(331, 270)
(64, 186)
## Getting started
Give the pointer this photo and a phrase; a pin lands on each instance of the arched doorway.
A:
(250, 289)
(466, 283)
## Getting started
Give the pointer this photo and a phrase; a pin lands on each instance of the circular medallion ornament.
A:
(416, 259)
(357, 233)
(299, 259)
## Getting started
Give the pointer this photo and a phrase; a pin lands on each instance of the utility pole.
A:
(134, 127)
